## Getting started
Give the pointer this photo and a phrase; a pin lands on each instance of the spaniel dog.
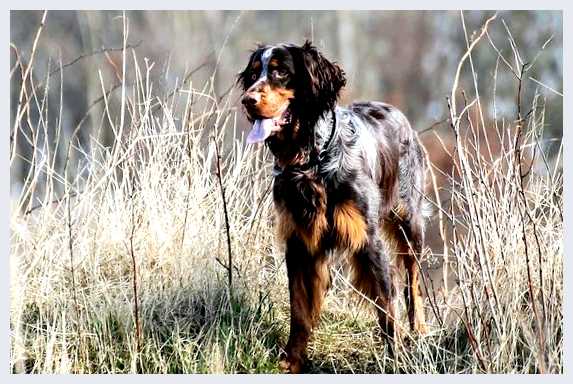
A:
(345, 178)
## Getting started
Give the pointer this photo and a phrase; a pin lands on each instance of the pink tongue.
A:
(261, 130)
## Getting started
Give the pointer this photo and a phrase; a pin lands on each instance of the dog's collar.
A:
(317, 154)
(326, 146)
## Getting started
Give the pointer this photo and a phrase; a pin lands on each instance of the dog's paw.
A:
(418, 331)
(290, 365)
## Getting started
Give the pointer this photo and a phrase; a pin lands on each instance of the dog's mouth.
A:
(264, 127)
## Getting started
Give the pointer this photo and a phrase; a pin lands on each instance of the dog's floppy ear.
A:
(243, 76)
(326, 78)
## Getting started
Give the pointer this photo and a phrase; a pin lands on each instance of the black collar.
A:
(316, 155)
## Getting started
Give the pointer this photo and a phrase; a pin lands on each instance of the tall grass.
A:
(119, 261)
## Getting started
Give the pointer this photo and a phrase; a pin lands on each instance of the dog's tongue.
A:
(262, 129)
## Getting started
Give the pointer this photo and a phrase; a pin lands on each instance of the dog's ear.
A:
(326, 78)
(243, 76)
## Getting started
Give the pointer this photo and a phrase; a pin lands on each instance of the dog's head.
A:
(287, 84)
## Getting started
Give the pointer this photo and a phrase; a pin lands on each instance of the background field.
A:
(127, 151)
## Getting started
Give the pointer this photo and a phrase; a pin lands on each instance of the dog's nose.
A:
(251, 99)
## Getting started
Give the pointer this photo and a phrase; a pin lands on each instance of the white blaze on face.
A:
(267, 55)
(262, 128)
(265, 58)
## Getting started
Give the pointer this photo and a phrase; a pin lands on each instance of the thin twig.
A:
(134, 269)
(54, 201)
(20, 110)
(433, 126)
(73, 271)
(94, 53)
(520, 179)
(105, 51)
(227, 226)
(473, 341)
(463, 59)
(546, 86)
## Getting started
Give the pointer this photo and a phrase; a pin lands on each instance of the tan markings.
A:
(310, 233)
(313, 233)
(256, 65)
(286, 226)
(273, 101)
(403, 252)
(284, 93)
(414, 300)
(273, 63)
(321, 285)
(350, 225)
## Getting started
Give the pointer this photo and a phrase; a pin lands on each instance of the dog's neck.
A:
(300, 146)
(324, 130)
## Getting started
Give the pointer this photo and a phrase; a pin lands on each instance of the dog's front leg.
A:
(309, 279)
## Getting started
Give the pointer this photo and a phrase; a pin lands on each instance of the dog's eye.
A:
(279, 73)
(254, 76)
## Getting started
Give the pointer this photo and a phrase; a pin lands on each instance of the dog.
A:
(345, 178)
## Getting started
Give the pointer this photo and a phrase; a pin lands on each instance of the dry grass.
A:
(150, 207)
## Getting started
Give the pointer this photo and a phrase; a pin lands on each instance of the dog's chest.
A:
(303, 210)
(300, 200)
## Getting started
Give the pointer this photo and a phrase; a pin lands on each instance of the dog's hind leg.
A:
(372, 276)
(408, 237)
(309, 279)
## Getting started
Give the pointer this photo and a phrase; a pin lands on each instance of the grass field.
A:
(120, 264)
